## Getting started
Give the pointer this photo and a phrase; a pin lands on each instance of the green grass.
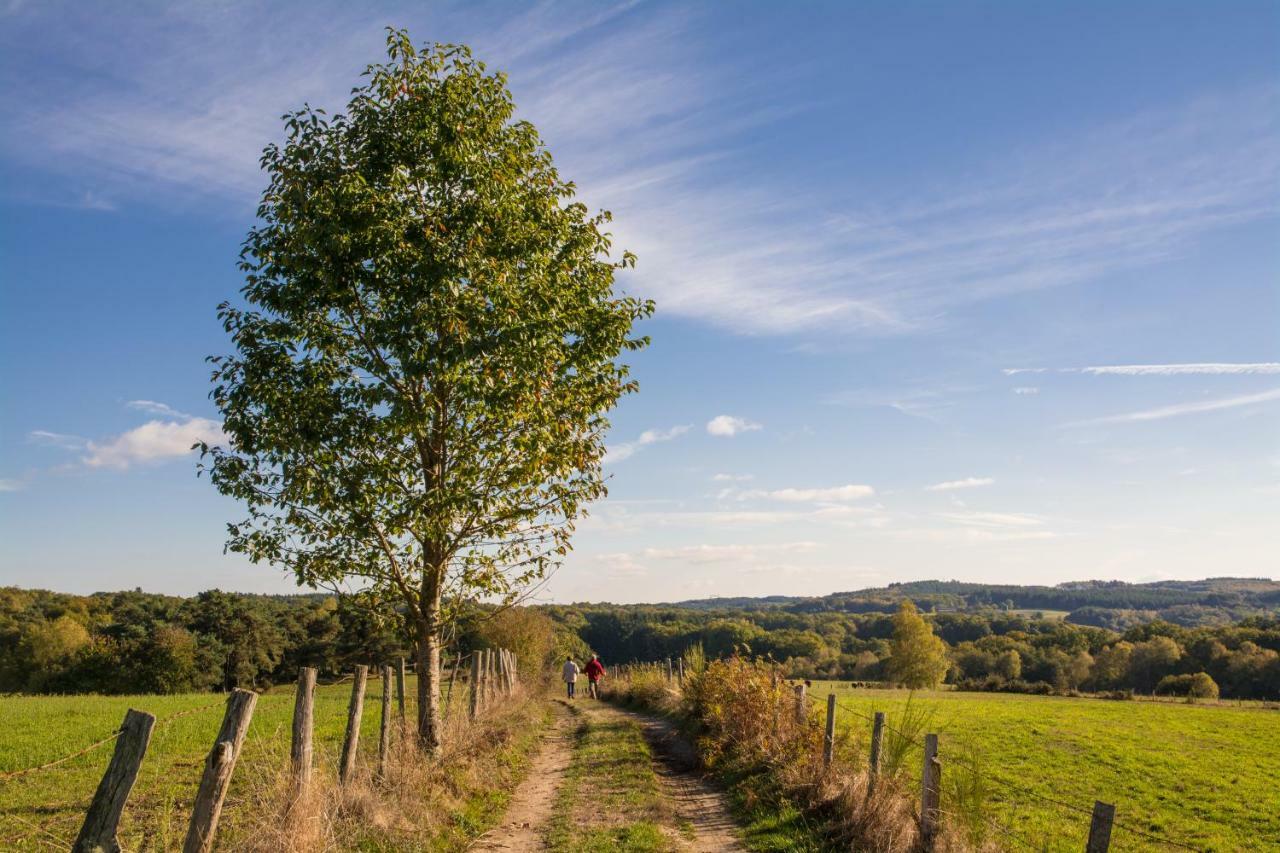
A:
(44, 809)
(610, 800)
(1204, 775)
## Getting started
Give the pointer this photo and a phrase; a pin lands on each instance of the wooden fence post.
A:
(217, 772)
(680, 667)
(98, 832)
(800, 709)
(384, 734)
(829, 739)
(668, 670)
(453, 676)
(877, 742)
(475, 684)
(303, 716)
(400, 688)
(355, 710)
(930, 792)
(1104, 814)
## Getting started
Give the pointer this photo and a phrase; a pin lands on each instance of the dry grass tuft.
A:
(747, 726)
(419, 803)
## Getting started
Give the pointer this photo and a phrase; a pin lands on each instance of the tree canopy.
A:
(427, 350)
(919, 657)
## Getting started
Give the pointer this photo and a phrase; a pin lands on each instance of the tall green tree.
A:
(919, 657)
(427, 352)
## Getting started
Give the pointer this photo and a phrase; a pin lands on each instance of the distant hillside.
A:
(1109, 604)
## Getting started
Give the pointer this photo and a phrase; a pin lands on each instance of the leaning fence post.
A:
(930, 793)
(475, 684)
(303, 715)
(98, 833)
(355, 711)
(829, 739)
(384, 733)
(877, 741)
(1104, 814)
(400, 688)
(800, 709)
(217, 772)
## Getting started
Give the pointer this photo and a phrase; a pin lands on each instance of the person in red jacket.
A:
(594, 671)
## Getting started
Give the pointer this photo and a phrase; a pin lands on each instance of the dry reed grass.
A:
(419, 803)
(747, 725)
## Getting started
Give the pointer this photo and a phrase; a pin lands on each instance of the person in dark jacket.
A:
(594, 671)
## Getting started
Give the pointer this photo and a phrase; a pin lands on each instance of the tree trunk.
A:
(429, 628)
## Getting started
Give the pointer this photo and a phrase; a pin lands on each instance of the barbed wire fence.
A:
(493, 676)
(1101, 817)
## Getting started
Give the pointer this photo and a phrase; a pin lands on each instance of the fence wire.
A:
(957, 758)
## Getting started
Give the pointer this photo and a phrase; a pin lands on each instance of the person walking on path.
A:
(570, 675)
(594, 671)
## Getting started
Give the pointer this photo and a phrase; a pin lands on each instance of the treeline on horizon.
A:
(136, 642)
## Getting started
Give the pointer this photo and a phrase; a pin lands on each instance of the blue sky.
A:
(987, 291)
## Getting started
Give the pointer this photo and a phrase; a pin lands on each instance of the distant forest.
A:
(1203, 638)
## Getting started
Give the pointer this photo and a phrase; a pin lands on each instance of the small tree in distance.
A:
(918, 658)
(417, 400)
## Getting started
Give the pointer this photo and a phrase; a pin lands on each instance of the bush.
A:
(1197, 686)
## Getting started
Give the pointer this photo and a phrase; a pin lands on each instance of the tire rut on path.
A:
(531, 805)
(699, 804)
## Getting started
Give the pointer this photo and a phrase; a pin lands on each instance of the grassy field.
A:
(43, 810)
(1203, 775)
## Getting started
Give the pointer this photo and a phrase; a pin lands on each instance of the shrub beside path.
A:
(686, 812)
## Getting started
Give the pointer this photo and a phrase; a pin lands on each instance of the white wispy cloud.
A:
(732, 478)
(727, 426)
(1180, 409)
(835, 494)
(966, 483)
(994, 519)
(61, 440)
(154, 441)
(1026, 390)
(1193, 369)
(11, 485)
(151, 407)
(182, 101)
(626, 450)
(727, 553)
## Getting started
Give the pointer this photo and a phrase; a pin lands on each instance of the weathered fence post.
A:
(1104, 814)
(829, 739)
(400, 688)
(776, 700)
(668, 670)
(355, 710)
(98, 832)
(303, 715)
(384, 733)
(475, 684)
(217, 772)
(800, 709)
(877, 742)
(930, 792)
(680, 670)
(453, 676)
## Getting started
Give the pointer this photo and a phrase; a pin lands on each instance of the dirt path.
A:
(700, 808)
(698, 804)
(531, 805)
